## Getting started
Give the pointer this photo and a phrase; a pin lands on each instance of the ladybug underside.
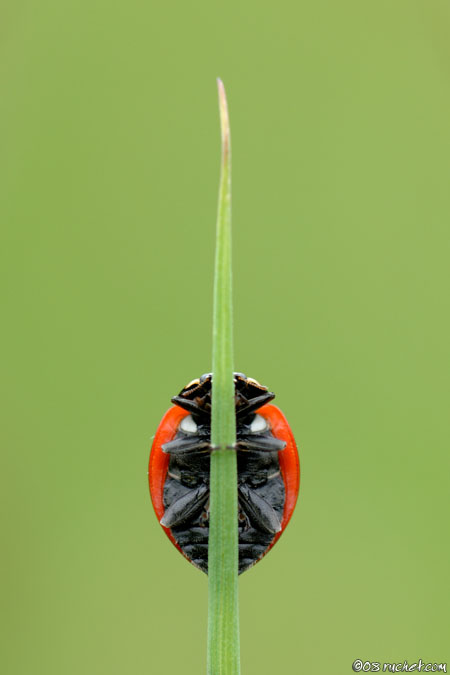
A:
(261, 491)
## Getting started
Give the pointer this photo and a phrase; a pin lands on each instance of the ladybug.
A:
(267, 466)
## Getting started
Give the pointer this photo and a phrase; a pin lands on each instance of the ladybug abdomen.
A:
(261, 498)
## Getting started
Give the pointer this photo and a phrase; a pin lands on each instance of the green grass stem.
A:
(223, 609)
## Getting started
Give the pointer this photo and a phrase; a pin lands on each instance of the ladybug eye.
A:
(259, 425)
(188, 425)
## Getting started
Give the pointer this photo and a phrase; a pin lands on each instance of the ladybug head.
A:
(249, 395)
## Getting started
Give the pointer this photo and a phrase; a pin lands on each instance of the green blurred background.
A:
(110, 164)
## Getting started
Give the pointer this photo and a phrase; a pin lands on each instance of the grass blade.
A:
(223, 611)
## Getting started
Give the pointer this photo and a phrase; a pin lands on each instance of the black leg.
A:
(184, 446)
(260, 512)
(185, 508)
(262, 443)
(189, 405)
(254, 404)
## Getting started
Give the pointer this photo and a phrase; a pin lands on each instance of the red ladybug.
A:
(267, 463)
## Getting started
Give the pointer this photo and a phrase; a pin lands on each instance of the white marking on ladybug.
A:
(259, 425)
(188, 425)
(251, 380)
(192, 382)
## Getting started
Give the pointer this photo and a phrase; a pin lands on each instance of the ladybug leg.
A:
(260, 512)
(186, 507)
(254, 404)
(183, 446)
(263, 443)
(187, 404)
